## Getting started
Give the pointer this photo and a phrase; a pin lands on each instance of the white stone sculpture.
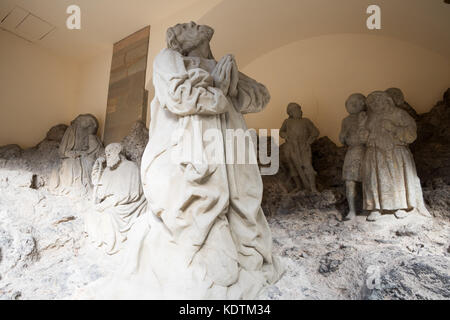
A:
(118, 197)
(350, 137)
(390, 182)
(78, 150)
(206, 235)
(299, 134)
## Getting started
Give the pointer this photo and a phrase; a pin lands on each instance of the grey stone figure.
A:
(399, 99)
(299, 134)
(78, 150)
(390, 181)
(350, 137)
(118, 197)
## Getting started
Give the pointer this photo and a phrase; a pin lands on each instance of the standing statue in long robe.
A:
(350, 137)
(206, 236)
(390, 181)
(118, 197)
(79, 149)
(299, 134)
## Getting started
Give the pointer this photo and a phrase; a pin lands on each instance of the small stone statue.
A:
(350, 137)
(118, 197)
(299, 134)
(78, 150)
(399, 99)
(390, 182)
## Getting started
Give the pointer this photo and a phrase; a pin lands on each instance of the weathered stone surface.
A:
(135, 142)
(56, 133)
(432, 147)
(16, 178)
(417, 278)
(10, 151)
(328, 160)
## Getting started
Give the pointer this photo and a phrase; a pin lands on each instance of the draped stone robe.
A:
(78, 152)
(208, 236)
(122, 202)
(389, 176)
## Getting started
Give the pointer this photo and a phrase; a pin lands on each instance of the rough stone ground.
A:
(44, 253)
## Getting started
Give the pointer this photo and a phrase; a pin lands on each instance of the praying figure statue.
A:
(350, 137)
(299, 134)
(390, 181)
(206, 236)
(79, 149)
(118, 197)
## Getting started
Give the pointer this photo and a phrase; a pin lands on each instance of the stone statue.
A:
(78, 150)
(350, 137)
(118, 197)
(390, 182)
(299, 134)
(399, 99)
(206, 235)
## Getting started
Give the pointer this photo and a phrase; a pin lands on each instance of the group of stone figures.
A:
(103, 174)
(377, 133)
(196, 229)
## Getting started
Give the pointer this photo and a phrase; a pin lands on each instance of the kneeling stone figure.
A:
(118, 197)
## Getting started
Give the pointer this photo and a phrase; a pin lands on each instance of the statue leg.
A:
(350, 188)
(298, 185)
(312, 179)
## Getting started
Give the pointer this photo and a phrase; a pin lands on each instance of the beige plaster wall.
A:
(37, 90)
(93, 88)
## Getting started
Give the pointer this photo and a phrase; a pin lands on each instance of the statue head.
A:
(294, 110)
(86, 122)
(113, 154)
(185, 37)
(379, 101)
(356, 103)
(397, 95)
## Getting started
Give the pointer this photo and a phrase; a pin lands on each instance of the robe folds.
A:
(389, 176)
(123, 201)
(349, 136)
(78, 153)
(205, 235)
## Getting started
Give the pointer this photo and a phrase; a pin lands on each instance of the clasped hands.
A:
(226, 75)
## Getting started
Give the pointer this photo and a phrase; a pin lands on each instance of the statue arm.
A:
(252, 96)
(407, 131)
(185, 92)
(313, 132)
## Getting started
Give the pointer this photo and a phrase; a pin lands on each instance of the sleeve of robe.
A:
(185, 92)
(407, 128)
(252, 96)
(283, 130)
(67, 142)
(313, 131)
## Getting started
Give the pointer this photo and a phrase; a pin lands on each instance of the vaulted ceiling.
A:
(247, 28)
(254, 27)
